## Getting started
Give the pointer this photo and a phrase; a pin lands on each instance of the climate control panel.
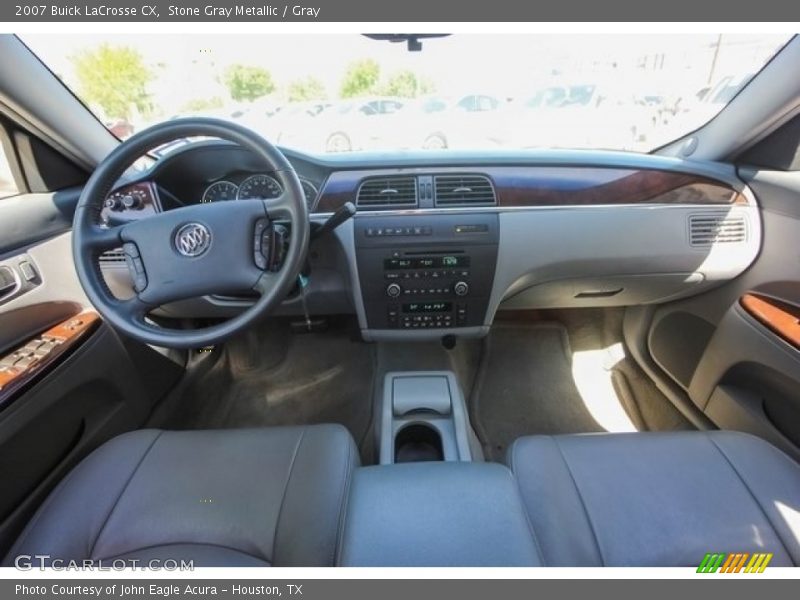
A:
(439, 282)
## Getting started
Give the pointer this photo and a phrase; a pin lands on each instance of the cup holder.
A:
(418, 442)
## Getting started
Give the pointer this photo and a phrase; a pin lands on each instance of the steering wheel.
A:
(216, 248)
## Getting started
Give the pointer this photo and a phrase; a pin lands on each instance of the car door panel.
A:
(749, 379)
(91, 395)
(56, 412)
(732, 351)
(53, 294)
(780, 318)
(36, 217)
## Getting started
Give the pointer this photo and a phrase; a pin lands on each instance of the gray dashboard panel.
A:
(548, 256)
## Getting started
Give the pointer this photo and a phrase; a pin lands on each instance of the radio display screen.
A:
(426, 262)
(427, 307)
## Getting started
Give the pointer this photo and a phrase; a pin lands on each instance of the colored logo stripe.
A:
(734, 562)
(711, 562)
(758, 563)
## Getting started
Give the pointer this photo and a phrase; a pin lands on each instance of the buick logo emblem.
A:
(193, 239)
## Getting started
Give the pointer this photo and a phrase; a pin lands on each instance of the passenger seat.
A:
(658, 499)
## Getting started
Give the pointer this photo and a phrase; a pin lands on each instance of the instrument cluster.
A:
(260, 185)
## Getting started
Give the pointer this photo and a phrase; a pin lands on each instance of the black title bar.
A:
(443, 11)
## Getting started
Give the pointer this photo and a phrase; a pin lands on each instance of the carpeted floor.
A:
(535, 373)
(566, 376)
(271, 376)
(525, 387)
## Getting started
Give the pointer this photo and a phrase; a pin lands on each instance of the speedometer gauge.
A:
(259, 186)
(220, 191)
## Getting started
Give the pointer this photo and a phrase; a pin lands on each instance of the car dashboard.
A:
(442, 240)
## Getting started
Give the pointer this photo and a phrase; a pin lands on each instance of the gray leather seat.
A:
(658, 499)
(221, 498)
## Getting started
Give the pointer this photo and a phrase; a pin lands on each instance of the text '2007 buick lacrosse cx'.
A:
(399, 300)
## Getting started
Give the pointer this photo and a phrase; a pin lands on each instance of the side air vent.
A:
(112, 256)
(716, 228)
(387, 192)
(464, 190)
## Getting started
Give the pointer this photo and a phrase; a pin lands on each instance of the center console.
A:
(424, 419)
(426, 274)
(432, 501)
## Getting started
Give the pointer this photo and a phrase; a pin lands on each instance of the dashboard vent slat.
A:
(112, 256)
(716, 228)
(387, 192)
(464, 190)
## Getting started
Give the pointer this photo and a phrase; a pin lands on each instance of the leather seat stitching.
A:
(513, 461)
(752, 495)
(122, 492)
(300, 438)
(580, 497)
(344, 498)
(213, 545)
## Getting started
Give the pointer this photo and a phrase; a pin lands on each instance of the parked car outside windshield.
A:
(348, 93)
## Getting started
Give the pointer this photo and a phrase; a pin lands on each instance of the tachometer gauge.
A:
(220, 191)
(259, 186)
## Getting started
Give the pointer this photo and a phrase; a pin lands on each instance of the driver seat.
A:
(245, 497)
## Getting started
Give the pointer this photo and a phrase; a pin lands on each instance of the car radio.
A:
(440, 278)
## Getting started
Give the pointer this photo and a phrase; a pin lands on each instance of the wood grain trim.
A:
(62, 338)
(781, 318)
(558, 186)
(541, 186)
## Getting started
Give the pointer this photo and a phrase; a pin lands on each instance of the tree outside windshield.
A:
(344, 93)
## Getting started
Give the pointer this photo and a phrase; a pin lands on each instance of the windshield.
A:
(344, 93)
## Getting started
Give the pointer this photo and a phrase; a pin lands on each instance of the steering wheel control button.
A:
(139, 276)
(130, 249)
(133, 261)
(261, 242)
(192, 240)
(279, 248)
(140, 283)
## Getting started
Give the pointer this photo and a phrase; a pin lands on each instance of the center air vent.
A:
(464, 190)
(717, 228)
(387, 192)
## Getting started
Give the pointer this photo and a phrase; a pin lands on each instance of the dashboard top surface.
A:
(528, 178)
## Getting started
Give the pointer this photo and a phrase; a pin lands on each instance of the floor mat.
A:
(525, 387)
(595, 337)
(654, 410)
(273, 377)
